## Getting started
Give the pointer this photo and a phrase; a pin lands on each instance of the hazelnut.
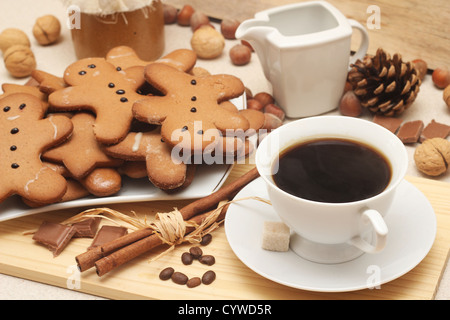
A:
(19, 61)
(248, 93)
(13, 36)
(271, 122)
(254, 104)
(228, 28)
(350, 105)
(275, 110)
(47, 30)
(240, 55)
(170, 14)
(184, 16)
(207, 42)
(433, 156)
(441, 77)
(198, 19)
(447, 96)
(421, 67)
(265, 98)
(246, 43)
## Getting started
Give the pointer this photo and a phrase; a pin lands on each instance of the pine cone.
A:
(383, 85)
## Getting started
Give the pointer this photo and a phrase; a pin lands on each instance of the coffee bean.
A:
(194, 282)
(207, 259)
(196, 252)
(208, 277)
(179, 278)
(206, 239)
(187, 258)
(166, 273)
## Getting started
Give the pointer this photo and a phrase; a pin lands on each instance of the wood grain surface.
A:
(413, 28)
(20, 256)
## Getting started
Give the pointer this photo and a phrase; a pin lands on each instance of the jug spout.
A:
(255, 32)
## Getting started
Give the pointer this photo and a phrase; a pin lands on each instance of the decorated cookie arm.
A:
(53, 130)
(70, 99)
(151, 109)
(181, 59)
(45, 187)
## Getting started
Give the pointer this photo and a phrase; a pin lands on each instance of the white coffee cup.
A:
(304, 49)
(333, 232)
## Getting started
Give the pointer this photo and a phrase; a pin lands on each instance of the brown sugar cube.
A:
(435, 130)
(390, 123)
(410, 131)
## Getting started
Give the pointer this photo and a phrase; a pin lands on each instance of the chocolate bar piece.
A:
(106, 234)
(86, 228)
(54, 236)
(390, 123)
(410, 131)
(435, 130)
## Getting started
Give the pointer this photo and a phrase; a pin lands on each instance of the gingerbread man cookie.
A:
(81, 153)
(126, 57)
(163, 171)
(25, 134)
(10, 88)
(189, 109)
(98, 86)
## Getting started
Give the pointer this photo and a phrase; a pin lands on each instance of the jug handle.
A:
(364, 41)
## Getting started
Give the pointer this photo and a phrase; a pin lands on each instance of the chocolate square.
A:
(410, 131)
(435, 130)
(106, 234)
(54, 236)
(86, 228)
(390, 123)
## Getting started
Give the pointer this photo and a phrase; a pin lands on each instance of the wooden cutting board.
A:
(413, 28)
(21, 257)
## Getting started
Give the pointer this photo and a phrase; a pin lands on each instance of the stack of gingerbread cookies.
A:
(66, 137)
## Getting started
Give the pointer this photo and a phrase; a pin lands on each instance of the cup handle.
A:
(364, 41)
(381, 230)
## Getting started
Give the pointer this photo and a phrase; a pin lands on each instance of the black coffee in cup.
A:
(332, 170)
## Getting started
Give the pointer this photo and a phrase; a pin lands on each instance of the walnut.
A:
(13, 36)
(19, 61)
(207, 42)
(432, 157)
(447, 96)
(46, 30)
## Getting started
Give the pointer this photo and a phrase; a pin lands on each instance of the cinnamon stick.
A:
(135, 249)
(144, 237)
(227, 192)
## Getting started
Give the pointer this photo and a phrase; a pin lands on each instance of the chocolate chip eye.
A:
(194, 98)
(123, 99)
(193, 109)
(162, 140)
(111, 85)
(119, 69)
(82, 73)
(120, 91)
(6, 109)
(22, 106)
(92, 66)
(14, 130)
(13, 148)
(14, 166)
(193, 82)
(184, 129)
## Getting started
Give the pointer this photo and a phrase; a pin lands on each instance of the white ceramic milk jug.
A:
(304, 49)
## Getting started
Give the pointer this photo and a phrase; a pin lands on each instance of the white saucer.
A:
(412, 230)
